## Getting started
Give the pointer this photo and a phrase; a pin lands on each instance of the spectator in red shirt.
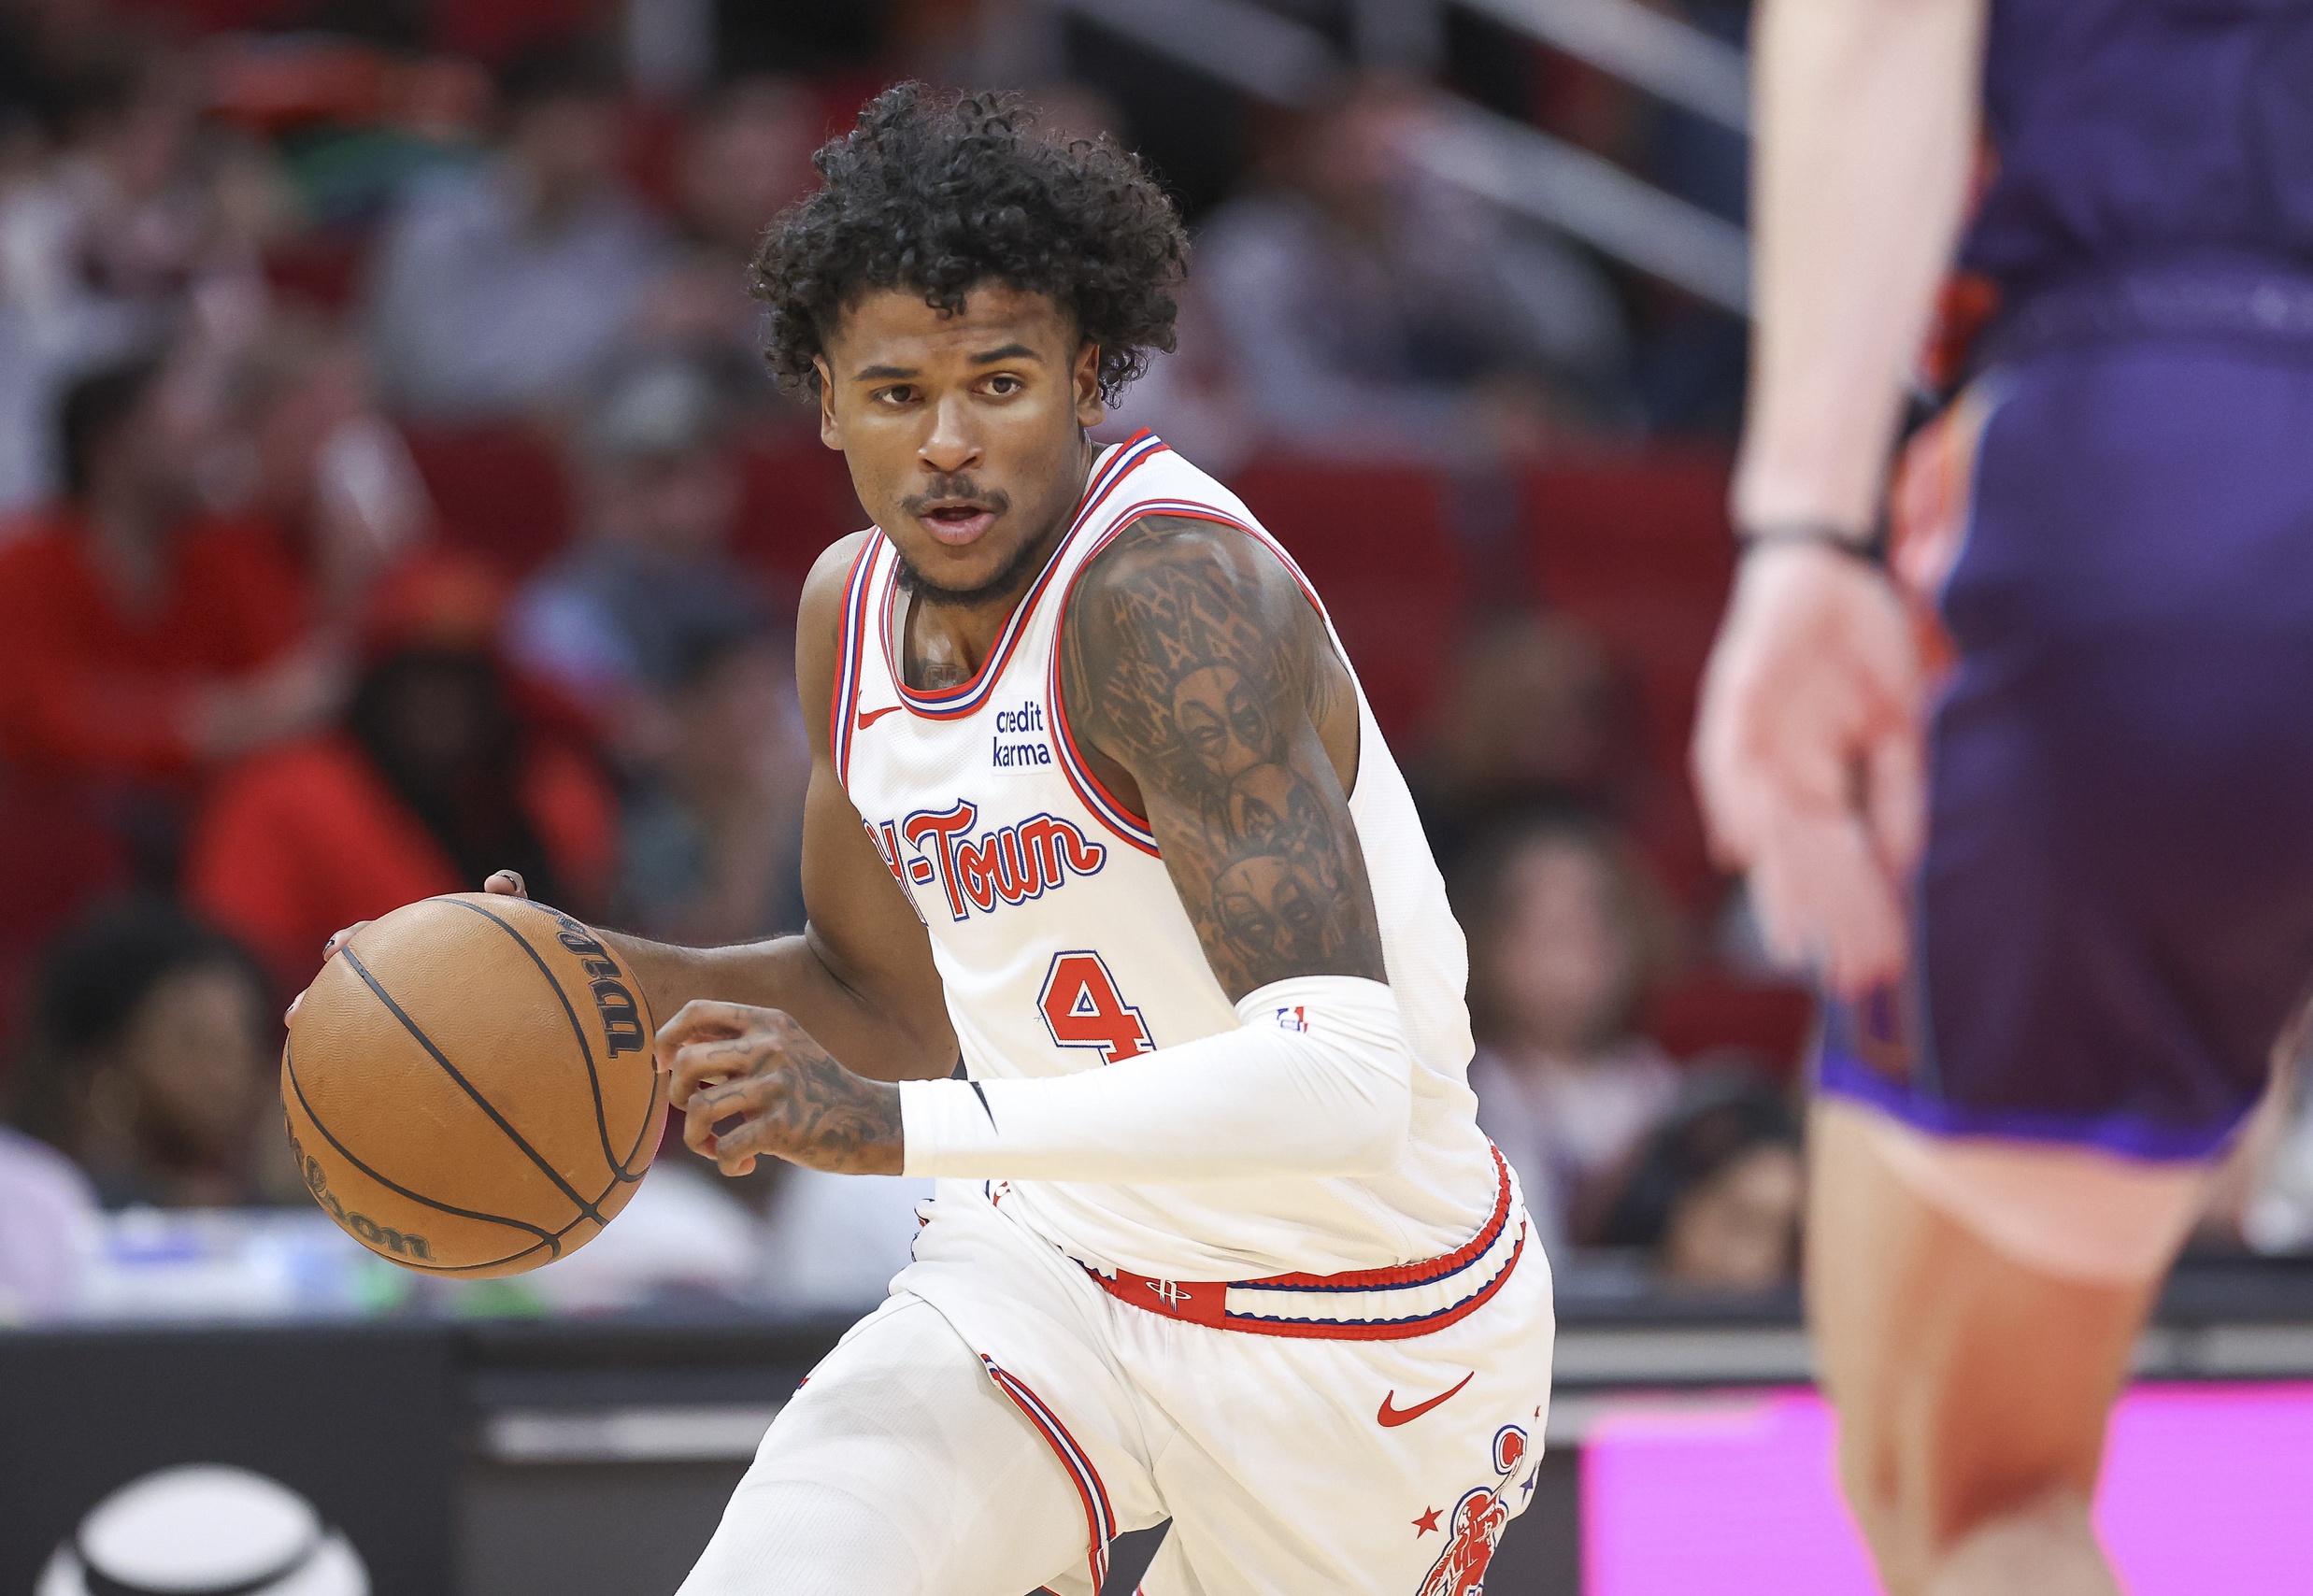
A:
(434, 780)
(140, 638)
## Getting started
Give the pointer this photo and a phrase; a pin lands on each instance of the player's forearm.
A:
(1316, 1081)
(882, 1040)
(1865, 139)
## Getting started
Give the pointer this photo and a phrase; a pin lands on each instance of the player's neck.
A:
(948, 635)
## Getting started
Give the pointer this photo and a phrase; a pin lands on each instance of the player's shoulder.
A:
(819, 614)
(1157, 558)
(819, 620)
(831, 573)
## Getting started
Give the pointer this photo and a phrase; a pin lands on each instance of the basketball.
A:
(469, 1086)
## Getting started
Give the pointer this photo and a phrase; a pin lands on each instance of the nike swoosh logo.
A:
(1390, 1418)
(869, 717)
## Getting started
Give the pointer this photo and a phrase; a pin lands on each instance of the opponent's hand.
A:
(792, 1099)
(505, 883)
(1808, 753)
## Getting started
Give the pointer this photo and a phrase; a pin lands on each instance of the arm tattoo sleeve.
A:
(1190, 658)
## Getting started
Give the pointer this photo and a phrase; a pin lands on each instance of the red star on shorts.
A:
(1424, 1524)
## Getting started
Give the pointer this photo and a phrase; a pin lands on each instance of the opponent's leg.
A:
(899, 1469)
(1972, 1390)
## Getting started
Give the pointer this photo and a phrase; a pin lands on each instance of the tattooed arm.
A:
(1203, 687)
(1197, 669)
(791, 1096)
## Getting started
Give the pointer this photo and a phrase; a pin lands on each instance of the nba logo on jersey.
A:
(1293, 1018)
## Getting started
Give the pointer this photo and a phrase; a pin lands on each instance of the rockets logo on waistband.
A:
(1006, 864)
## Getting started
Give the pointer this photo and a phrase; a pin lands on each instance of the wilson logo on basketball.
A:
(399, 1242)
(622, 1026)
(1010, 864)
(466, 1067)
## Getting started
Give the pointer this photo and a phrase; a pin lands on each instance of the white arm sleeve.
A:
(1318, 1080)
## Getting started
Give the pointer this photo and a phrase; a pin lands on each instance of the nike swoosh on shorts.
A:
(1388, 1417)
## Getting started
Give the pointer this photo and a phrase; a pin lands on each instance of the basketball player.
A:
(2063, 1003)
(1097, 804)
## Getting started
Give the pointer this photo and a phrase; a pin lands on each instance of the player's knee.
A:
(1867, 1480)
(1917, 1504)
(791, 1537)
(2045, 1543)
(1903, 1488)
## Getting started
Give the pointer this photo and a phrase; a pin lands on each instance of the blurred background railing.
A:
(1504, 160)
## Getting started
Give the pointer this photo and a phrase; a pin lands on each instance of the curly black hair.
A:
(937, 193)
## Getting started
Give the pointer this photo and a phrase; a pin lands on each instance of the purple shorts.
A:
(2114, 918)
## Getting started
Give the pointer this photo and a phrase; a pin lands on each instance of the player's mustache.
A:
(947, 490)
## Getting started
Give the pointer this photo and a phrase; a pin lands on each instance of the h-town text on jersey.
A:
(1005, 865)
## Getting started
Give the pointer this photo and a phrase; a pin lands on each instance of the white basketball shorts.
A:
(1347, 1434)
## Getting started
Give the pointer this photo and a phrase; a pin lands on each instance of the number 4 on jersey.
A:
(1083, 1009)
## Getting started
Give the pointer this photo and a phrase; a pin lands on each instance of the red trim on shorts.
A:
(1149, 1295)
(1205, 1301)
(1384, 1330)
(1420, 1273)
(1099, 1521)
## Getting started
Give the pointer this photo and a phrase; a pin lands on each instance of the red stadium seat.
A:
(651, 134)
(323, 269)
(1377, 543)
(56, 857)
(1637, 547)
(1705, 1014)
(795, 498)
(500, 488)
(504, 30)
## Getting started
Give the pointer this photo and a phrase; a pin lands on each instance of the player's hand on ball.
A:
(1808, 756)
(505, 883)
(750, 1081)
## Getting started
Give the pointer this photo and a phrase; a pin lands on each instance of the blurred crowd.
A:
(391, 492)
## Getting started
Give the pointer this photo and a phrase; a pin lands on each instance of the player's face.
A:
(965, 433)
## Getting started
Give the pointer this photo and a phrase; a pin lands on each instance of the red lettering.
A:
(1084, 856)
(1010, 863)
(976, 868)
(1059, 848)
(1039, 846)
(1082, 1008)
(886, 839)
(886, 849)
(945, 827)
(1020, 874)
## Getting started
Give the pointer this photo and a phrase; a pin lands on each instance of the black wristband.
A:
(1871, 549)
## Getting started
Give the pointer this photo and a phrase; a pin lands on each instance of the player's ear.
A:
(831, 432)
(1091, 412)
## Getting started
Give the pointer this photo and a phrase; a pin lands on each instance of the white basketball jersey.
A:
(1064, 945)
